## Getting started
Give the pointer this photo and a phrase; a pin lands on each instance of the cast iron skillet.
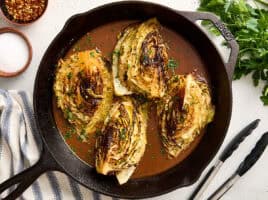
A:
(57, 156)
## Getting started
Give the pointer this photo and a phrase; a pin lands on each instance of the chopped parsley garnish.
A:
(77, 48)
(92, 54)
(69, 133)
(81, 73)
(122, 134)
(68, 114)
(164, 139)
(98, 133)
(79, 138)
(150, 52)
(162, 151)
(116, 52)
(83, 134)
(69, 75)
(172, 64)
(83, 131)
(70, 92)
(145, 58)
(122, 160)
(89, 39)
(176, 78)
(181, 118)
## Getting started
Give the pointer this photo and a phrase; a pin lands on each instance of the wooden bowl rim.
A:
(30, 52)
(26, 23)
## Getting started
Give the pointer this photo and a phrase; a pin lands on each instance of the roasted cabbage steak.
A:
(84, 90)
(122, 140)
(184, 112)
(140, 61)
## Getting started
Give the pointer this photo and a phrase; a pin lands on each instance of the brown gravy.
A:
(155, 160)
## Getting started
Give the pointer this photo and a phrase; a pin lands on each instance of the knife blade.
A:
(227, 152)
(248, 162)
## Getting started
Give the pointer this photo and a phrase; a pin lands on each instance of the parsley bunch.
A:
(250, 27)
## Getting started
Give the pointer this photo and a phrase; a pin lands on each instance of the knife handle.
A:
(254, 155)
(232, 146)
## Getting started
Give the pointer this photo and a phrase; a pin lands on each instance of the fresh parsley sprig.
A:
(249, 25)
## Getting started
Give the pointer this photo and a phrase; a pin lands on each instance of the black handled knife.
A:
(227, 152)
(248, 162)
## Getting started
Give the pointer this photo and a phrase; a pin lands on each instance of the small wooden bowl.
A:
(7, 18)
(30, 52)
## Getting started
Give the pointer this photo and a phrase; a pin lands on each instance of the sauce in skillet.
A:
(155, 159)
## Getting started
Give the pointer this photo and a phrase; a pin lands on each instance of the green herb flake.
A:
(83, 132)
(69, 75)
(89, 39)
(92, 54)
(68, 134)
(176, 79)
(70, 92)
(116, 52)
(172, 63)
(77, 48)
(68, 114)
(98, 133)
(162, 151)
(145, 57)
(122, 134)
(79, 138)
(150, 52)
(164, 139)
(81, 73)
(181, 118)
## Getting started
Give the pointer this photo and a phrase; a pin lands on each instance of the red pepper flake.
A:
(25, 10)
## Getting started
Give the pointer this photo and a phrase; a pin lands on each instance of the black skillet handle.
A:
(228, 36)
(24, 179)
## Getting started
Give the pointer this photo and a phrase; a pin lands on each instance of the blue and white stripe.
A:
(20, 148)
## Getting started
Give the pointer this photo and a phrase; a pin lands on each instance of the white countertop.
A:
(246, 107)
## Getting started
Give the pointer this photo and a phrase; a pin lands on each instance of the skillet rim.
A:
(47, 145)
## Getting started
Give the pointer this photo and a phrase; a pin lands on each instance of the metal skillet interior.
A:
(155, 160)
(181, 175)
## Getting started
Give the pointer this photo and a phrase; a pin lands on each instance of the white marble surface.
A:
(247, 106)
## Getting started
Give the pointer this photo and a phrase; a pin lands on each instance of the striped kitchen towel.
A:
(20, 148)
